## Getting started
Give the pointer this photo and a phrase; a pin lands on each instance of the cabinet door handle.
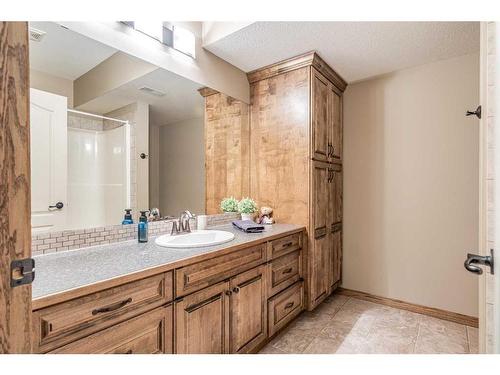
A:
(289, 305)
(228, 292)
(113, 307)
(236, 289)
(287, 271)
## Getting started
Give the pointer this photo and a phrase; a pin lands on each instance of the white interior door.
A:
(48, 118)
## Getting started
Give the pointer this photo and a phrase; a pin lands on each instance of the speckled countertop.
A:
(60, 272)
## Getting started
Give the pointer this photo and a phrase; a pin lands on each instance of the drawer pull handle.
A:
(288, 244)
(287, 271)
(236, 289)
(109, 308)
(289, 305)
(228, 292)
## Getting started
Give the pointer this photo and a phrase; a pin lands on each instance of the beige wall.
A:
(411, 185)
(55, 85)
(182, 167)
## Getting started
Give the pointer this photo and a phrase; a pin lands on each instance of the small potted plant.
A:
(247, 208)
(229, 205)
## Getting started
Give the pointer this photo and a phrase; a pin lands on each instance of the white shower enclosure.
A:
(80, 160)
(98, 177)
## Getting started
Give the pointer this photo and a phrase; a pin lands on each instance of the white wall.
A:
(411, 173)
(182, 167)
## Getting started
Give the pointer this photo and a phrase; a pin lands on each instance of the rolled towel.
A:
(248, 226)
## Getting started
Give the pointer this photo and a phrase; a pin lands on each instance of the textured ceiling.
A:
(64, 53)
(356, 50)
(180, 102)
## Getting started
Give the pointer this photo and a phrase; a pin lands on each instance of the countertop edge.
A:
(58, 297)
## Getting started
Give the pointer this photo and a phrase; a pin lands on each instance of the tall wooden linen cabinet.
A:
(296, 158)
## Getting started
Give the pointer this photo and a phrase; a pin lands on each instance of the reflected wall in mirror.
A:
(109, 132)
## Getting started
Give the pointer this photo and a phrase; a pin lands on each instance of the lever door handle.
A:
(58, 205)
(472, 261)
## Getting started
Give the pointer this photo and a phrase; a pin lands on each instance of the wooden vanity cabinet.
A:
(220, 305)
(296, 153)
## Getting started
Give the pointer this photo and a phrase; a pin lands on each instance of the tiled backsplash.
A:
(45, 243)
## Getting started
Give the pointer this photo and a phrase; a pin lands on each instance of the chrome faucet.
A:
(182, 225)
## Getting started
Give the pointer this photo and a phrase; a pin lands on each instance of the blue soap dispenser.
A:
(143, 227)
(128, 217)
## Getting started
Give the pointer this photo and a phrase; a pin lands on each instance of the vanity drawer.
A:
(57, 325)
(200, 275)
(284, 271)
(285, 245)
(285, 306)
(149, 333)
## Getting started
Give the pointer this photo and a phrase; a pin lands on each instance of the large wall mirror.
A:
(109, 132)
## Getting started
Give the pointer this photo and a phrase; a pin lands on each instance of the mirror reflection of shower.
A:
(98, 169)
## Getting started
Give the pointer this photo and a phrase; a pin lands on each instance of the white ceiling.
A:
(356, 50)
(180, 102)
(64, 53)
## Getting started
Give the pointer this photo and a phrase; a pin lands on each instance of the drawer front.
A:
(149, 333)
(285, 306)
(285, 245)
(284, 271)
(57, 325)
(200, 275)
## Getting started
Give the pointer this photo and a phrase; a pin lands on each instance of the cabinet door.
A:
(202, 321)
(320, 116)
(335, 220)
(336, 260)
(248, 321)
(335, 125)
(320, 229)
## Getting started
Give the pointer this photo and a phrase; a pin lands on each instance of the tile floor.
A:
(347, 325)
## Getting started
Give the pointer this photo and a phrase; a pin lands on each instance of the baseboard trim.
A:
(430, 311)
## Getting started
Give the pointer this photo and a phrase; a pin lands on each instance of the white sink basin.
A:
(197, 238)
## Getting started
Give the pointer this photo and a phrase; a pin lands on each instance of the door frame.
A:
(15, 194)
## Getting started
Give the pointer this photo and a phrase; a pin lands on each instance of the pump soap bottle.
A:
(128, 217)
(143, 227)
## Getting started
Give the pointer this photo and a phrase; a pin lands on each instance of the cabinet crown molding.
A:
(307, 59)
(207, 91)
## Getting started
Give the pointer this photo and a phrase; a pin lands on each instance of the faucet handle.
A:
(175, 228)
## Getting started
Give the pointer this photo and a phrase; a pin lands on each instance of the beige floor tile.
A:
(431, 341)
(332, 304)
(393, 344)
(292, 341)
(473, 339)
(269, 349)
(323, 345)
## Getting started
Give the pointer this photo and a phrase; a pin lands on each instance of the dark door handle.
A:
(472, 261)
(477, 112)
(58, 205)
(113, 307)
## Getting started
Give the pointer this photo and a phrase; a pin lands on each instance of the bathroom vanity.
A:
(142, 298)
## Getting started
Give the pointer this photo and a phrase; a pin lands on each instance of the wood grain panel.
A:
(15, 210)
(58, 325)
(285, 306)
(280, 145)
(150, 333)
(320, 117)
(199, 275)
(227, 150)
(248, 310)
(284, 271)
(202, 321)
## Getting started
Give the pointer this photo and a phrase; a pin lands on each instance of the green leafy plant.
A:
(247, 206)
(229, 204)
